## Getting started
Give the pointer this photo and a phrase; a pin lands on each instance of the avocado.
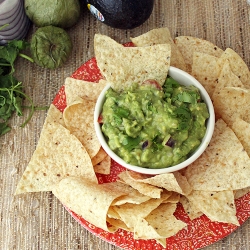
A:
(121, 14)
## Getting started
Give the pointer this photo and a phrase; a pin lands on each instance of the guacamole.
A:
(152, 126)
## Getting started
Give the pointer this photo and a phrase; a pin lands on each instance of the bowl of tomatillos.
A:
(153, 129)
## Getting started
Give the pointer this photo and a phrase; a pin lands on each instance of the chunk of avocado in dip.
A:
(152, 126)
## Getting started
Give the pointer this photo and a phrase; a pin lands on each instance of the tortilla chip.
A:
(54, 115)
(131, 213)
(237, 65)
(104, 166)
(241, 192)
(83, 89)
(227, 78)
(159, 224)
(59, 154)
(192, 211)
(188, 45)
(173, 198)
(88, 199)
(161, 36)
(112, 214)
(105, 42)
(231, 103)
(124, 66)
(162, 241)
(205, 70)
(169, 181)
(217, 206)
(242, 130)
(133, 196)
(224, 165)
(163, 221)
(152, 37)
(116, 224)
(143, 230)
(99, 156)
(79, 117)
(143, 188)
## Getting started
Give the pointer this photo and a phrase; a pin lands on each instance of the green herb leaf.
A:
(183, 112)
(19, 44)
(2, 101)
(11, 90)
(4, 128)
(130, 143)
(185, 117)
(3, 26)
(157, 144)
(121, 112)
(8, 54)
(187, 97)
(150, 107)
(17, 102)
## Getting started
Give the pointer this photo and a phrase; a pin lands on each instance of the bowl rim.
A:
(176, 74)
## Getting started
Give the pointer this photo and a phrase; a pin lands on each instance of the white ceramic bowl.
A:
(184, 79)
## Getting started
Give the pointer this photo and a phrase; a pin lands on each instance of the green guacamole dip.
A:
(152, 126)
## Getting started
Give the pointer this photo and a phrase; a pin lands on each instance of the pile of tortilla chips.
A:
(68, 145)
(68, 154)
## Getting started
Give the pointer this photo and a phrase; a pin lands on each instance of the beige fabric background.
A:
(38, 220)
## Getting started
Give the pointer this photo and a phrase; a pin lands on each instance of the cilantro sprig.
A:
(11, 90)
(181, 97)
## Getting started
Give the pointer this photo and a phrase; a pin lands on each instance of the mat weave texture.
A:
(39, 220)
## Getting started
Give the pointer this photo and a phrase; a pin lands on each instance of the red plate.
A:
(199, 233)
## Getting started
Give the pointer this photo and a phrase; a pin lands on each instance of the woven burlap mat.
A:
(38, 220)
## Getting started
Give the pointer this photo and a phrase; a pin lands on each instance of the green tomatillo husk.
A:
(50, 47)
(63, 13)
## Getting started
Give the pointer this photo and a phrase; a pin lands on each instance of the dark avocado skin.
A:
(123, 14)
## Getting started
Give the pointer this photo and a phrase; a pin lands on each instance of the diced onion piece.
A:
(144, 144)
